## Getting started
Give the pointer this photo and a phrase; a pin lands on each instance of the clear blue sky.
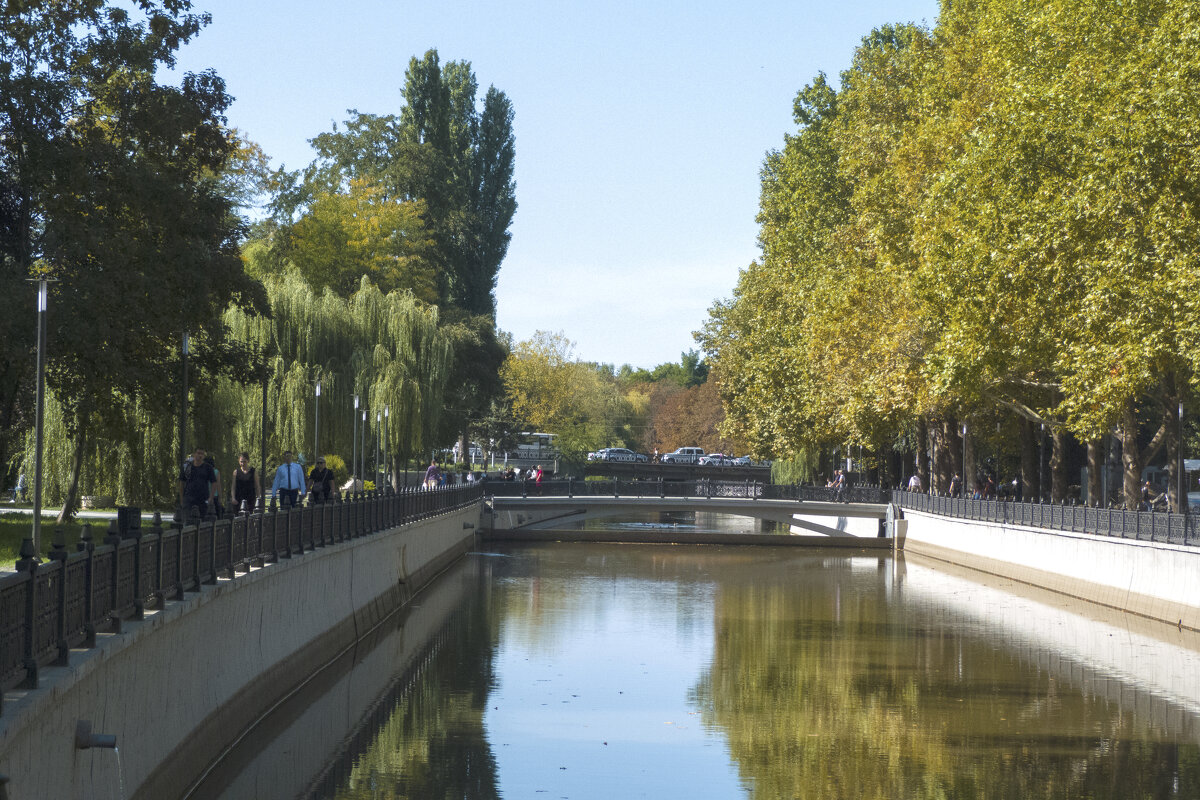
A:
(640, 131)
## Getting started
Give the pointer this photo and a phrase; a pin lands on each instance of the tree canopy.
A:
(992, 220)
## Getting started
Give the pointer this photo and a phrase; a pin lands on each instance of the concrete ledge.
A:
(1151, 579)
(166, 686)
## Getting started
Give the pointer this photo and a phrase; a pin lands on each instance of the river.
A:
(624, 671)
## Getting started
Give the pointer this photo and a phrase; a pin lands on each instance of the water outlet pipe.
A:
(85, 739)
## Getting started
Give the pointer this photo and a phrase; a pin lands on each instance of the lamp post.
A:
(378, 422)
(354, 440)
(387, 464)
(183, 396)
(362, 450)
(1181, 502)
(262, 441)
(317, 424)
(1041, 463)
(964, 464)
(43, 295)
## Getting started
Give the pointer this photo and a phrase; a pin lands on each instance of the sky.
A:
(640, 130)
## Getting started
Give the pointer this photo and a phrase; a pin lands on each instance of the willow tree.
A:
(385, 348)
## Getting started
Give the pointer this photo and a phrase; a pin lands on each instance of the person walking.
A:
(914, 483)
(245, 488)
(321, 482)
(289, 482)
(432, 475)
(197, 484)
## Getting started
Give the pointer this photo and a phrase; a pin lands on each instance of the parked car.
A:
(741, 461)
(618, 454)
(714, 460)
(684, 455)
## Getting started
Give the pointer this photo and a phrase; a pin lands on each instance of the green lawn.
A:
(14, 528)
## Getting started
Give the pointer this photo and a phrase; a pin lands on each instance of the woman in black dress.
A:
(245, 487)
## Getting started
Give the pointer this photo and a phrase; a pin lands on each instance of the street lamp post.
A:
(362, 450)
(964, 464)
(183, 397)
(39, 421)
(378, 422)
(354, 440)
(1041, 464)
(387, 463)
(317, 424)
(262, 440)
(1181, 503)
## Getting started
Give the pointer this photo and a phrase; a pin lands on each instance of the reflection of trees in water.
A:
(822, 690)
(427, 738)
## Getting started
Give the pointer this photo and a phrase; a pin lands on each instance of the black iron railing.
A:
(1151, 526)
(703, 487)
(50, 607)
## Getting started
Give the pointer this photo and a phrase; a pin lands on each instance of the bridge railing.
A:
(617, 488)
(1151, 526)
(861, 493)
(703, 487)
(48, 608)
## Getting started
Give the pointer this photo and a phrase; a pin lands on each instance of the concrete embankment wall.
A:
(1152, 579)
(178, 687)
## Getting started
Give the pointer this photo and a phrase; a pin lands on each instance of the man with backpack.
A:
(197, 484)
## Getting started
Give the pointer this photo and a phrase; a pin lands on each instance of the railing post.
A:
(28, 562)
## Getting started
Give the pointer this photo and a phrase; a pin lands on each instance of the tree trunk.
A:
(1058, 464)
(1131, 460)
(1095, 461)
(1029, 460)
(71, 501)
(970, 472)
(941, 458)
(953, 437)
(922, 461)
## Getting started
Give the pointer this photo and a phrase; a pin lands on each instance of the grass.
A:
(15, 527)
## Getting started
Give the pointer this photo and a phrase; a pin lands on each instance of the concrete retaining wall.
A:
(1151, 579)
(182, 684)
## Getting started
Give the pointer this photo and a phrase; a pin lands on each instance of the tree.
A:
(120, 203)
(360, 232)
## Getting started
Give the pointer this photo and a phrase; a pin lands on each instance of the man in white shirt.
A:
(289, 482)
(914, 483)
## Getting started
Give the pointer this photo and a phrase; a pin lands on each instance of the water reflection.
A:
(685, 521)
(605, 671)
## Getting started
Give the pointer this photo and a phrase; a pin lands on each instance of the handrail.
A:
(1153, 526)
(47, 608)
(699, 487)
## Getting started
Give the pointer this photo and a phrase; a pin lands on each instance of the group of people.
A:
(985, 487)
(514, 474)
(838, 484)
(200, 484)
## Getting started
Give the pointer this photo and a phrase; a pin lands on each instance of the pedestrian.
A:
(914, 483)
(839, 487)
(218, 509)
(289, 482)
(245, 488)
(431, 475)
(197, 484)
(955, 486)
(320, 482)
(19, 490)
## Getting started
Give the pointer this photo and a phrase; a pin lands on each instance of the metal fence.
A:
(1151, 526)
(703, 487)
(616, 488)
(50, 607)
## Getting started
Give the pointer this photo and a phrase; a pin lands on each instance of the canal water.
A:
(624, 671)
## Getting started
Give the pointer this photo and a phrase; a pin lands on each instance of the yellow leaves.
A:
(362, 231)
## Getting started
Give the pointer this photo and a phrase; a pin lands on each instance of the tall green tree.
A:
(117, 179)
